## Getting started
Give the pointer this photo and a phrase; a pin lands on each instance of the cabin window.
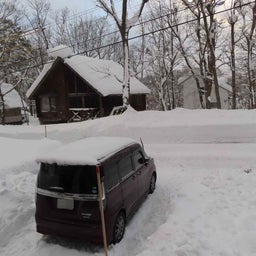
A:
(48, 104)
(76, 85)
(84, 101)
(76, 102)
(91, 101)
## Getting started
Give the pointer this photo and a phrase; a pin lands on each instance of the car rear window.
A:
(68, 179)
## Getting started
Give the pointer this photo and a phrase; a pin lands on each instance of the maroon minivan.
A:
(67, 202)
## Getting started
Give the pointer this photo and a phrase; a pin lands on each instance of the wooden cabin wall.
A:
(12, 116)
(54, 86)
(138, 102)
(80, 93)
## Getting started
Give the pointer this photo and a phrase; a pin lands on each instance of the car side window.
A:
(125, 166)
(138, 159)
(111, 178)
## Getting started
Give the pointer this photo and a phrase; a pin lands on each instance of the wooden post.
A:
(45, 131)
(101, 210)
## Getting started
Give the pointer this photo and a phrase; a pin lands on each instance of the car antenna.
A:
(141, 142)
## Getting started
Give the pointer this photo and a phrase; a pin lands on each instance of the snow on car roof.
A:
(88, 151)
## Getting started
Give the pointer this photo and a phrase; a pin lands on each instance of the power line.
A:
(76, 44)
(146, 34)
(74, 15)
(141, 23)
(158, 30)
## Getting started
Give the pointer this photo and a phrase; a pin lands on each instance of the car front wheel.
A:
(152, 184)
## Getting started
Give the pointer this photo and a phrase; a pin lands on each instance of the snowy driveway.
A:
(204, 203)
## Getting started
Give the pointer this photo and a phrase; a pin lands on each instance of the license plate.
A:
(67, 204)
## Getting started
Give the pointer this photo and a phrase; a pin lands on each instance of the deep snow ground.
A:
(204, 204)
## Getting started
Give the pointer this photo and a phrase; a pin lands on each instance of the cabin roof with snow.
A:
(89, 151)
(105, 76)
(77, 88)
(12, 98)
(222, 82)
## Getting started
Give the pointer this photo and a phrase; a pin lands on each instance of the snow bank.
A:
(15, 152)
(177, 126)
(204, 203)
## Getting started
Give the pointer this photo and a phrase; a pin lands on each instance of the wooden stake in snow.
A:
(45, 131)
(102, 210)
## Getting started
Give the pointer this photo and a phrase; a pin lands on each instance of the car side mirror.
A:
(141, 160)
(146, 160)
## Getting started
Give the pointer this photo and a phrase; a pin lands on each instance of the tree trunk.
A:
(210, 41)
(208, 89)
(124, 25)
(2, 108)
(233, 65)
(126, 74)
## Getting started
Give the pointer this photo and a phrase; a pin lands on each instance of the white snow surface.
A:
(204, 203)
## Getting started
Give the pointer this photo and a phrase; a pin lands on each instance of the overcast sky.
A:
(84, 5)
(73, 5)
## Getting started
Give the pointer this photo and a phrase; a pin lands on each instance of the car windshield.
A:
(68, 179)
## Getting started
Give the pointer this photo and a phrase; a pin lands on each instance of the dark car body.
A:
(67, 193)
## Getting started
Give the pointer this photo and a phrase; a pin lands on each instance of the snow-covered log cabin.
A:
(78, 88)
(14, 106)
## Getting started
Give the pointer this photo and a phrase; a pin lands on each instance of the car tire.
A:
(152, 184)
(119, 227)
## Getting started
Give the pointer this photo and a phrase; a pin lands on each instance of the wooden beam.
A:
(100, 194)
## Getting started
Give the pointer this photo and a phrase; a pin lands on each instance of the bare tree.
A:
(232, 20)
(88, 36)
(206, 32)
(248, 31)
(124, 25)
(13, 49)
(163, 55)
(37, 18)
(183, 36)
